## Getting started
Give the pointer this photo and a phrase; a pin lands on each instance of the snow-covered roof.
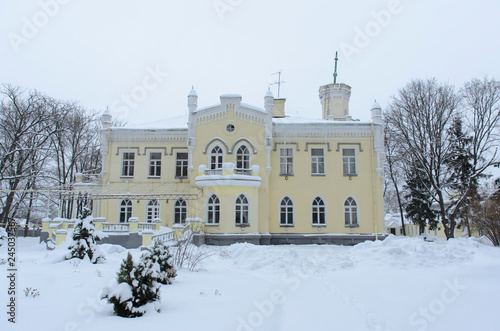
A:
(178, 122)
(303, 120)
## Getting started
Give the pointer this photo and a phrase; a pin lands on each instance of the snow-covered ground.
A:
(396, 284)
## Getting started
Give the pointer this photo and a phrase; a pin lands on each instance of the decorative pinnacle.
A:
(335, 72)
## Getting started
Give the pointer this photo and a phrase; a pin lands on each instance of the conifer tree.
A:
(160, 254)
(85, 239)
(418, 208)
(136, 289)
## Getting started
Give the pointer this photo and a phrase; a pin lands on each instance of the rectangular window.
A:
(317, 161)
(286, 161)
(181, 165)
(128, 164)
(349, 161)
(154, 164)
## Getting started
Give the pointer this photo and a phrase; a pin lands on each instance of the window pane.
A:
(348, 152)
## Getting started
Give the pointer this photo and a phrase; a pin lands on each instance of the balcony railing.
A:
(217, 172)
(115, 227)
(243, 171)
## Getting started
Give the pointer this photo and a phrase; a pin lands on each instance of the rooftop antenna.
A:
(335, 72)
(279, 81)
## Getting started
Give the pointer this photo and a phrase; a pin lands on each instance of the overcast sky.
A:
(140, 58)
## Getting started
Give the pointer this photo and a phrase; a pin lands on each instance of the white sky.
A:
(96, 51)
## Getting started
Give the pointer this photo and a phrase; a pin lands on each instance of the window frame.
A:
(318, 212)
(242, 208)
(219, 156)
(348, 210)
(284, 161)
(287, 212)
(183, 166)
(153, 210)
(351, 160)
(128, 165)
(125, 210)
(155, 165)
(214, 209)
(315, 161)
(246, 158)
(180, 208)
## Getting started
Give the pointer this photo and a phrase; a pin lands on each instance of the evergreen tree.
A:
(136, 289)
(418, 208)
(85, 239)
(160, 255)
(462, 181)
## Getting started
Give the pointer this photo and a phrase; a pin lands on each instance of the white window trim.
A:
(206, 210)
(279, 212)
(326, 214)
(183, 160)
(324, 162)
(249, 157)
(293, 161)
(121, 169)
(355, 162)
(149, 165)
(358, 212)
(158, 205)
(210, 156)
(173, 218)
(120, 210)
(249, 210)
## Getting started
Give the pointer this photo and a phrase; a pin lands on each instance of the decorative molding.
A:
(162, 148)
(172, 150)
(327, 144)
(283, 143)
(351, 144)
(214, 140)
(238, 141)
(135, 148)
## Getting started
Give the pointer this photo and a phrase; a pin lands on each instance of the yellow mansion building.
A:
(250, 174)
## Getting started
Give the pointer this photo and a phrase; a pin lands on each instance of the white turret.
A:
(106, 119)
(376, 113)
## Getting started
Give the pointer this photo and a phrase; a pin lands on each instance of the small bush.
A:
(160, 255)
(85, 240)
(137, 288)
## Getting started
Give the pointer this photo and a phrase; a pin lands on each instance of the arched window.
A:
(152, 210)
(350, 212)
(180, 211)
(242, 158)
(216, 158)
(242, 207)
(286, 211)
(213, 209)
(318, 211)
(125, 210)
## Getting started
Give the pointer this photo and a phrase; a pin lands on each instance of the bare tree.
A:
(393, 168)
(25, 132)
(420, 116)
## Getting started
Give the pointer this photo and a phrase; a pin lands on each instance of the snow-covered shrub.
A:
(160, 254)
(137, 289)
(85, 240)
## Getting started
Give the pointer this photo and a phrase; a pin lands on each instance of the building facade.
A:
(248, 173)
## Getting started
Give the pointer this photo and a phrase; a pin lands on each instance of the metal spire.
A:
(335, 72)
